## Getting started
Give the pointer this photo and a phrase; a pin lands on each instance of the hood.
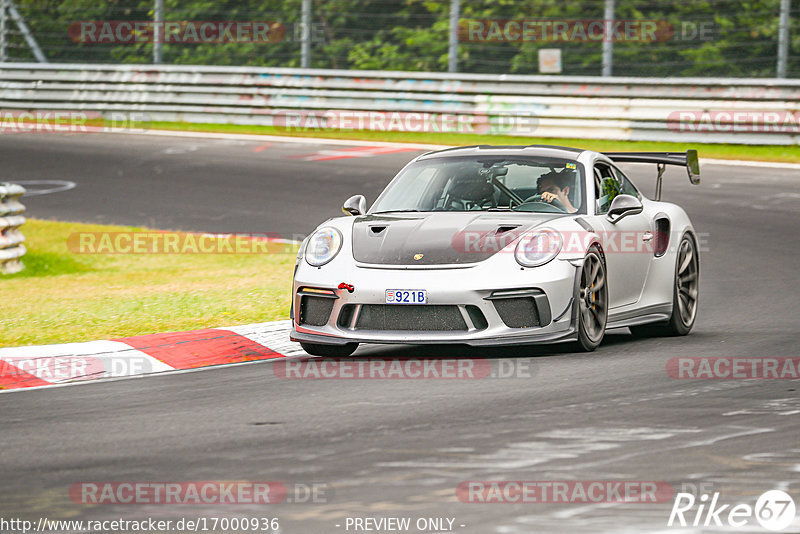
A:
(438, 238)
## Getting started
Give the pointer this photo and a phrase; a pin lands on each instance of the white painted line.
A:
(60, 185)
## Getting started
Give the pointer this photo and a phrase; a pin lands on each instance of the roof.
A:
(547, 151)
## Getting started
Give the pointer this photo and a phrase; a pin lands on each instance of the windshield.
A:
(546, 185)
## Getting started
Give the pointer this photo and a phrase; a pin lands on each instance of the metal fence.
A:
(676, 110)
(11, 218)
(591, 37)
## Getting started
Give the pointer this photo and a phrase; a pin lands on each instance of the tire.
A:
(335, 351)
(685, 293)
(592, 300)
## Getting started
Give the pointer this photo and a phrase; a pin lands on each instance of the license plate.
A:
(406, 296)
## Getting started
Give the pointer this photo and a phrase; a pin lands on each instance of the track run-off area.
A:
(377, 448)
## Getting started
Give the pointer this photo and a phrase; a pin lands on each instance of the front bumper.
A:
(477, 286)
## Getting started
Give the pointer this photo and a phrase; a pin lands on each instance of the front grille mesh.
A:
(315, 311)
(517, 312)
(410, 317)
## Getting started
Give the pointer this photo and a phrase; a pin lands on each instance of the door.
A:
(628, 244)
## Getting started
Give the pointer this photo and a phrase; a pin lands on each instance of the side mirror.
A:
(355, 205)
(622, 206)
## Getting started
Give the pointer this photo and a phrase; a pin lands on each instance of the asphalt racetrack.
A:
(400, 448)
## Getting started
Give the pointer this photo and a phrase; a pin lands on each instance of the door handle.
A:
(647, 236)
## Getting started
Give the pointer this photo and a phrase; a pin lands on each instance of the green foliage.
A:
(708, 37)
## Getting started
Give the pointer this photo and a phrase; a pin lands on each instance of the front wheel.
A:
(335, 351)
(592, 302)
(684, 295)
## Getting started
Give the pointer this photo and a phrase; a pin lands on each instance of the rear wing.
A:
(688, 159)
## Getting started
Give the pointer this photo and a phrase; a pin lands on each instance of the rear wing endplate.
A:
(688, 159)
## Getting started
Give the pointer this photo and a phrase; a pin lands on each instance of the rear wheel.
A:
(592, 302)
(336, 351)
(684, 296)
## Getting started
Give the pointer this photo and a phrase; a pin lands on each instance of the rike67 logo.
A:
(774, 510)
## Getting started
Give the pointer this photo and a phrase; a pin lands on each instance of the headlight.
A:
(538, 248)
(323, 246)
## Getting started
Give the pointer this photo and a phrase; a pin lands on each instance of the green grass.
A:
(750, 152)
(63, 296)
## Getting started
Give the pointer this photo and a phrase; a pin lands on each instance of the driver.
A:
(555, 186)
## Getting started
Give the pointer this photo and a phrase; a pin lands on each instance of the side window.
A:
(606, 187)
(626, 187)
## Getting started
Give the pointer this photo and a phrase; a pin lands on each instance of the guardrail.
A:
(645, 109)
(11, 238)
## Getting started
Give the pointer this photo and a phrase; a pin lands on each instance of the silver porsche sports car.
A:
(494, 245)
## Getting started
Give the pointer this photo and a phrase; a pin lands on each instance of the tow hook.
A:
(348, 287)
